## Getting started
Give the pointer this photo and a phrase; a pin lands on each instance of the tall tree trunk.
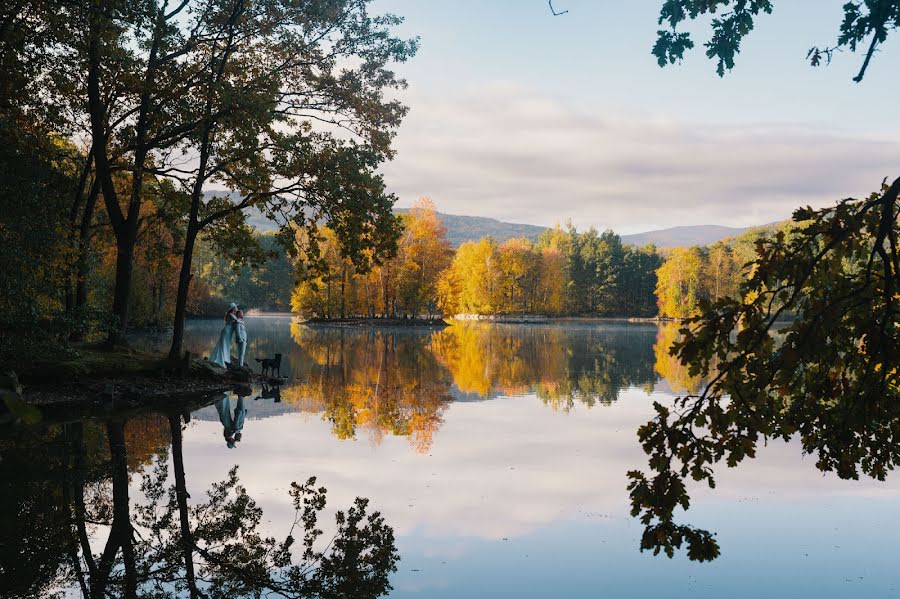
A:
(97, 112)
(194, 223)
(344, 291)
(122, 292)
(124, 226)
(184, 284)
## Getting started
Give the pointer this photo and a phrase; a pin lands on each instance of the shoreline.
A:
(94, 382)
(431, 323)
(378, 322)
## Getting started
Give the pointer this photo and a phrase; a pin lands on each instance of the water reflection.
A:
(72, 520)
(379, 382)
(398, 382)
(668, 366)
(562, 365)
(511, 499)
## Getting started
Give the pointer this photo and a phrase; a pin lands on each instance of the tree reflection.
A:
(377, 381)
(562, 366)
(399, 382)
(669, 367)
(75, 524)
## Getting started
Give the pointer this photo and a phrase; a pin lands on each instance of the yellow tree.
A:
(679, 286)
(473, 278)
(518, 265)
(551, 287)
(423, 253)
(449, 292)
(722, 273)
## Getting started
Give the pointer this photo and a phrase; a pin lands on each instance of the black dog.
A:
(270, 364)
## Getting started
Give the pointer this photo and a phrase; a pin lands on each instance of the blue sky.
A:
(522, 116)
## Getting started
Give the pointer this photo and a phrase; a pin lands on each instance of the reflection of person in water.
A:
(232, 423)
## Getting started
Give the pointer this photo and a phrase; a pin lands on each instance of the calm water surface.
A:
(498, 454)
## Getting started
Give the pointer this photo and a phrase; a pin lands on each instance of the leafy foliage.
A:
(733, 20)
(37, 173)
(830, 377)
(729, 29)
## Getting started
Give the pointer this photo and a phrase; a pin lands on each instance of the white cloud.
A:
(504, 153)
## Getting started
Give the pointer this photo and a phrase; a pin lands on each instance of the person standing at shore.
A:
(221, 353)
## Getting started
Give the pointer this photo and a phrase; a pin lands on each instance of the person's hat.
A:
(233, 306)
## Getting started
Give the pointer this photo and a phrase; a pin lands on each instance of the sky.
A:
(525, 117)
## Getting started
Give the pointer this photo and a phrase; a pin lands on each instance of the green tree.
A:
(38, 177)
(637, 283)
(256, 116)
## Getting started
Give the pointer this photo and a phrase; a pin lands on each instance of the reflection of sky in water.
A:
(513, 498)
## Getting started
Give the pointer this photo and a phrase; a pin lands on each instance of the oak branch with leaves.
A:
(830, 376)
(866, 25)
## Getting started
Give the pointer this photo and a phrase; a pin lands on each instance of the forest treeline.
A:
(564, 273)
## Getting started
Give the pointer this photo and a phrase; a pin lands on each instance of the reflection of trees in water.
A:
(399, 381)
(561, 365)
(65, 493)
(378, 381)
(668, 366)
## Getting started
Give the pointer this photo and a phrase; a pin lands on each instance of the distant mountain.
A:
(683, 236)
(466, 228)
(472, 228)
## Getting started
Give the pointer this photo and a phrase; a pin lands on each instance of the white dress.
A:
(221, 353)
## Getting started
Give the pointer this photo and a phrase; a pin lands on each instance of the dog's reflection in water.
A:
(270, 392)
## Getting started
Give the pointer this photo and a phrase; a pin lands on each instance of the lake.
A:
(497, 453)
